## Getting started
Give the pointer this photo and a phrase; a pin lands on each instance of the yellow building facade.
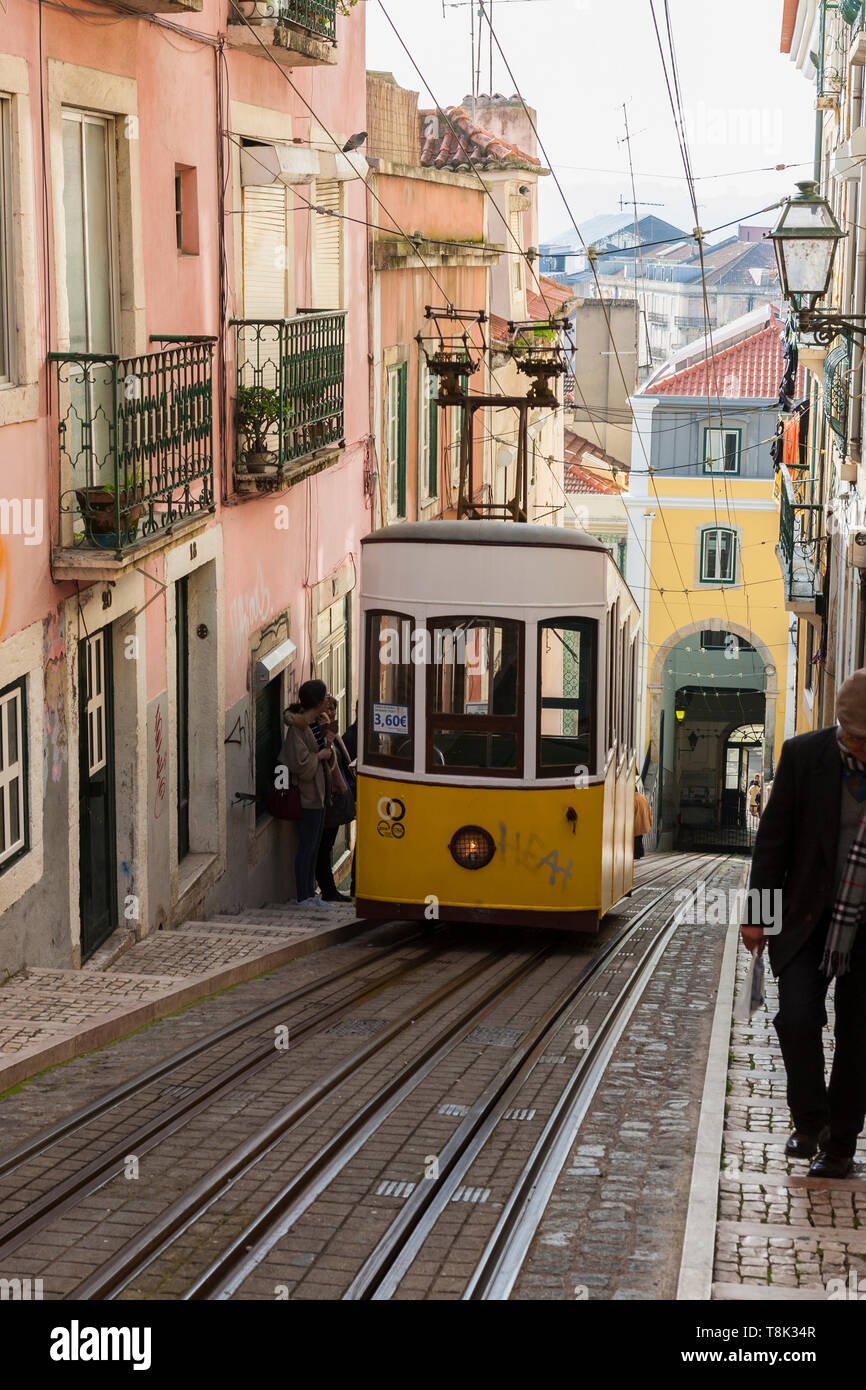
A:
(718, 652)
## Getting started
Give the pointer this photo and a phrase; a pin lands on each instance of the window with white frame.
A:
(718, 555)
(395, 439)
(515, 247)
(13, 773)
(722, 450)
(7, 320)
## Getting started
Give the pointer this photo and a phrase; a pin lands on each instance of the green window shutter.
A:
(402, 376)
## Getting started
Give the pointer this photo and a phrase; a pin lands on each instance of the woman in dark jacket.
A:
(324, 864)
(307, 762)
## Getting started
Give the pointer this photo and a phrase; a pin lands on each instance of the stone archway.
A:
(771, 693)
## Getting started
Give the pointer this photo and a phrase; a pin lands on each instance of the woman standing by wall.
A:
(307, 764)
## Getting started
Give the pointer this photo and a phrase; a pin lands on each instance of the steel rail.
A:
(17, 1229)
(385, 1267)
(138, 1253)
(228, 1271)
(45, 1139)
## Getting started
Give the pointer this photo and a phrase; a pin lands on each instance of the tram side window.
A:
(475, 696)
(566, 703)
(389, 724)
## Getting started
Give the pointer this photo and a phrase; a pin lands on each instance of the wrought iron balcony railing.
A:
(800, 534)
(136, 442)
(837, 369)
(319, 17)
(290, 399)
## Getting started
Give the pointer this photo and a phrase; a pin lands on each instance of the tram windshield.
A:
(566, 706)
(475, 695)
(389, 724)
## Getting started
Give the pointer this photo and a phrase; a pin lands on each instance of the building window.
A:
(328, 245)
(457, 421)
(809, 658)
(7, 323)
(428, 410)
(722, 451)
(395, 440)
(724, 641)
(515, 247)
(269, 738)
(13, 774)
(186, 209)
(718, 556)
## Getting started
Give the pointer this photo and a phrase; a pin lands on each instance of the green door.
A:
(181, 609)
(97, 869)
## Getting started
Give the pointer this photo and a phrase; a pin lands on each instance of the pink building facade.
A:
(185, 458)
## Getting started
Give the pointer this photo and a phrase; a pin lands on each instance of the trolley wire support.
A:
(539, 352)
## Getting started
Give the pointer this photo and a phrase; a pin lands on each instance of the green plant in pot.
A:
(97, 507)
(258, 410)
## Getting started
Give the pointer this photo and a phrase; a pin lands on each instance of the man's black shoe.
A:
(830, 1166)
(336, 898)
(802, 1144)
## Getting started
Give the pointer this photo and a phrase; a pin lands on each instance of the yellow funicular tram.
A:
(496, 767)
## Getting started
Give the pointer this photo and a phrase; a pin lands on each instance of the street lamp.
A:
(680, 714)
(806, 237)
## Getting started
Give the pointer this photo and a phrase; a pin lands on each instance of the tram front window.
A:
(566, 705)
(389, 724)
(475, 696)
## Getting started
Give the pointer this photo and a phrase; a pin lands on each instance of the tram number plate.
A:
(390, 719)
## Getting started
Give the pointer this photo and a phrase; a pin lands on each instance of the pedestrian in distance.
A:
(643, 820)
(811, 847)
(755, 797)
(308, 764)
(339, 805)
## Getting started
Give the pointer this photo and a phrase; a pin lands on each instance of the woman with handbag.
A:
(307, 765)
(339, 807)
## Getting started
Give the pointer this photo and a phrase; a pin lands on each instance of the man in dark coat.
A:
(808, 846)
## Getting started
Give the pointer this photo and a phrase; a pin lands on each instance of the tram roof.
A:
(485, 533)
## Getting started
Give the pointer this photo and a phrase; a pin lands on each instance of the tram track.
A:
(246, 1251)
(69, 1191)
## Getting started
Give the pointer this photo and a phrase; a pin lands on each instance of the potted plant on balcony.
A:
(262, 12)
(258, 410)
(96, 505)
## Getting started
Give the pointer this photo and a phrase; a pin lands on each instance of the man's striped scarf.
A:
(851, 898)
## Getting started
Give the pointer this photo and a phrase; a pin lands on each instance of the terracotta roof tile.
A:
(748, 370)
(459, 143)
(581, 479)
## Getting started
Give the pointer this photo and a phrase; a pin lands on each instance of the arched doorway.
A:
(708, 682)
(744, 758)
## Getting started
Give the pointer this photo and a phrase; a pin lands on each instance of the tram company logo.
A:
(77, 1343)
(391, 813)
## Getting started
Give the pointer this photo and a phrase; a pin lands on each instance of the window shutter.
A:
(515, 244)
(265, 253)
(328, 246)
(402, 374)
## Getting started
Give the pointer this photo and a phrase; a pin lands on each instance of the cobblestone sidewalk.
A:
(49, 1016)
(780, 1233)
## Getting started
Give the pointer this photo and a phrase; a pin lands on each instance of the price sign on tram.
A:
(391, 719)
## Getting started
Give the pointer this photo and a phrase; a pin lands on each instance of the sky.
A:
(746, 106)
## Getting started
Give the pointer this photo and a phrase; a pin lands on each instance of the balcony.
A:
(837, 370)
(136, 453)
(289, 402)
(297, 33)
(799, 548)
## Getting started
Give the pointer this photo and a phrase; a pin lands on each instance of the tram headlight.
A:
(472, 847)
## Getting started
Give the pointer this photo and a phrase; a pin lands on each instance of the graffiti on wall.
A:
(248, 612)
(53, 664)
(161, 762)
